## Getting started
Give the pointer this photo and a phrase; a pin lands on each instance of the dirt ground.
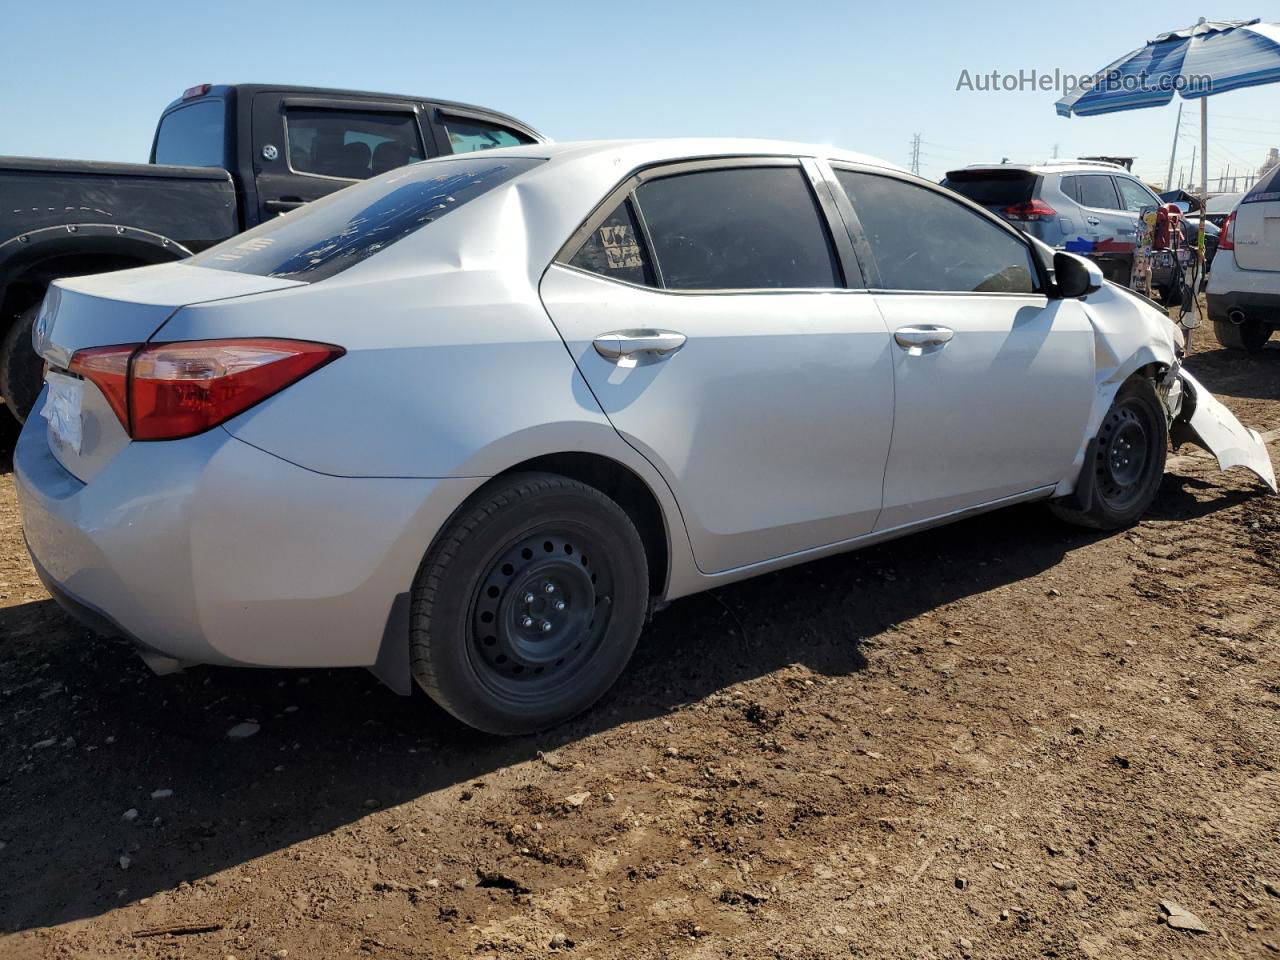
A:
(1005, 738)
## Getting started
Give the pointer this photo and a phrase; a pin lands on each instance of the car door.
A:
(705, 305)
(994, 380)
(306, 147)
(1112, 227)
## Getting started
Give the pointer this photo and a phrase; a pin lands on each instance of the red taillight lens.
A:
(180, 389)
(1031, 210)
(1227, 237)
(108, 368)
(199, 90)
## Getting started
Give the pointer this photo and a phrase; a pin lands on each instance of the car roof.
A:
(644, 152)
(1055, 166)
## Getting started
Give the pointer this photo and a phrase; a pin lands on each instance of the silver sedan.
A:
(470, 422)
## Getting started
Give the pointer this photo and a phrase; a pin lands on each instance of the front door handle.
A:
(636, 344)
(283, 205)
(1092, 221)
(923, 338)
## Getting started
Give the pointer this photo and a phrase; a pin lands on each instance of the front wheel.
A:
(1127, 465)
(529, 605)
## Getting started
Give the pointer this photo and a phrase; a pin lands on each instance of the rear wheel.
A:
(529, 605)
(21, 369)
(1128, 460)
(1250, 335)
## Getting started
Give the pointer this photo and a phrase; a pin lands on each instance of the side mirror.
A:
(1076, 276)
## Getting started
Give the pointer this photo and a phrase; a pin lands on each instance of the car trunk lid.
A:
(103, 310)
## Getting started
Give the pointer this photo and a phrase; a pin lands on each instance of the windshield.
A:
(328, 236)
(992, 188)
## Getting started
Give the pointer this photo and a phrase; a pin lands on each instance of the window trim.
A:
(625, 190)
(863, 243)
(339, 106)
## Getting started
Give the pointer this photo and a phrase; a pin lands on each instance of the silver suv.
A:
(1087, 207)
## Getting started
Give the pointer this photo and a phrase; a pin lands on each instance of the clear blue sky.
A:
(88, 79)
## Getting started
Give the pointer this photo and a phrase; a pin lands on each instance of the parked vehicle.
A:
(1088, 207)
(1244, 287)
(468, 423)
(224, 158)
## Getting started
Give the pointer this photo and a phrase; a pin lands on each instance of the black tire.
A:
(487, 641)
(21, 369)
(1251, 335)
(1128, 461)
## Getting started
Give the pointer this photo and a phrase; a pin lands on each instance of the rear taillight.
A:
(1031, 210)
(199, 90)
(164, 391)
(108, 368)
(1227, 236)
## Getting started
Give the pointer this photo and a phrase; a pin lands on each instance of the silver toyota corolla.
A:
(469, 422)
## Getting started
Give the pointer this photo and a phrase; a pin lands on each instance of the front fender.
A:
(1215, 428)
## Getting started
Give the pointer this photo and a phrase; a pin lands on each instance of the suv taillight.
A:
(165, 391)
(1227, 236)
(1031, 210)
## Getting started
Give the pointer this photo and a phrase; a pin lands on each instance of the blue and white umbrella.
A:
(1213, 56)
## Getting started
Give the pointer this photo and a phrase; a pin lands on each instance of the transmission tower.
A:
(915, 154)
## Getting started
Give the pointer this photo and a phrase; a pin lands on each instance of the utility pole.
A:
(915, 154)
(1055, 151)
(1193, 164)
(1174, 151)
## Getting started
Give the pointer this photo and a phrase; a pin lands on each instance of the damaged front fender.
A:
(1208, 424)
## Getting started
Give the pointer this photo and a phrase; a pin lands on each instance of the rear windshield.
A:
(193, 136)
(1266, 189)
(330, 235)
(992, 188)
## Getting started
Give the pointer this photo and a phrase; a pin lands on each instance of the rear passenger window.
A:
(1096, 190)
(349, 144)
(922, 240)
(738, 229)
(616, 250)
(467, 136)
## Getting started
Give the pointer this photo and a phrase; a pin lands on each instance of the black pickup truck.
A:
(224, 158)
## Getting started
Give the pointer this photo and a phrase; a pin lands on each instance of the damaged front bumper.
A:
(1199, 418)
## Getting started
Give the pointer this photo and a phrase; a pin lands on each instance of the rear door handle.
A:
(637, 344)
(923, 338)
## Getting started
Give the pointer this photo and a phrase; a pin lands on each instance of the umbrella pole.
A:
(1204, 201)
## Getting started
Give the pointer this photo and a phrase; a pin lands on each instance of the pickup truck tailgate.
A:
(126, 307)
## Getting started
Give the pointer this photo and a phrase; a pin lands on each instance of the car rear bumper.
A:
(1254, 306)
(209, 550)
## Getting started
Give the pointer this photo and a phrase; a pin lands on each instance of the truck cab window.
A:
(467, 136)
(193, 135)
(352, 145)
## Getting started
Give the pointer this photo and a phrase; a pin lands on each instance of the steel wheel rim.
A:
(540, 613)
(1124, 455)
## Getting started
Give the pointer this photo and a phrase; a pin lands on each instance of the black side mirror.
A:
(1075, 276)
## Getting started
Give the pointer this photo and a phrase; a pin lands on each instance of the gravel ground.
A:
(1005, 738)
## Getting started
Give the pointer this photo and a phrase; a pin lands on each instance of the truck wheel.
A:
(1250, 335)
(1128, 461)
(21, 369)
(529, 604)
